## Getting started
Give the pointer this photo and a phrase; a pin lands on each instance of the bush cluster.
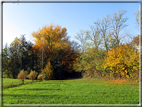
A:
(33, 74)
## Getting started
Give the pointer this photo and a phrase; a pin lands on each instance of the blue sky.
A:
(24, 18)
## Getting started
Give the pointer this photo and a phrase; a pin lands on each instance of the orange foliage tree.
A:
(54, 51)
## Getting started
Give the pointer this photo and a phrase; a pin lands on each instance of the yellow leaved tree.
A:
(123, 60)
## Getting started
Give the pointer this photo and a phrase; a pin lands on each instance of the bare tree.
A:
(103, 27)
(137, 13)
(95, 36)
(82, 37)
(117, 24)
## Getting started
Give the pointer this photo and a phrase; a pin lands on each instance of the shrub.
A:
(122, 60)
(40, 77)
(91, 63)
(47, 71)
(32, 75)
(46, 75)
(22, 75)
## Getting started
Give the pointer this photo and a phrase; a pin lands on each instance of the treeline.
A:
(101, 52)
(52, 54)
(106, 53)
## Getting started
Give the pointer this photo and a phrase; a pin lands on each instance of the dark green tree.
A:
(19, 55)
(5, 61)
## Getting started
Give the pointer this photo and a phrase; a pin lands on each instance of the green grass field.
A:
(7, 82)
(76, 91)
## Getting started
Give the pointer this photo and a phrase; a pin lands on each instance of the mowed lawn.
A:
(7, 82)
(76, 91)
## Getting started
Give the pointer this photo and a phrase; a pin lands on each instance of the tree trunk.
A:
(22, 81)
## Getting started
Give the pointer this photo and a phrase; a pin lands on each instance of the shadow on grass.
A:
(37, 96)
(39, 89)
(47, 83)
(27, 96)
(18, 84)
(22, 97)
(55, 83)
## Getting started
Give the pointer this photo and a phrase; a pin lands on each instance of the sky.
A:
(25, 18)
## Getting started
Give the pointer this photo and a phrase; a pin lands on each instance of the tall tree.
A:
(103, 27)
(19, 55)
(82, 37)
(47, 40)
(95, 36)
(118, 23)
(137, 14)
(15, 57)
(58, 55)
(27, 55)
(5, 61)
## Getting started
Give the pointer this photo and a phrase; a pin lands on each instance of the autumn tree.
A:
(40, 76)
(93, 42)
(135, 42)
(103, 36)
(122, 60)
(137, 15)
(47, 72)
(32, 75)
(47, 39)
(54, 49)
(22, 76)
(92, 65)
